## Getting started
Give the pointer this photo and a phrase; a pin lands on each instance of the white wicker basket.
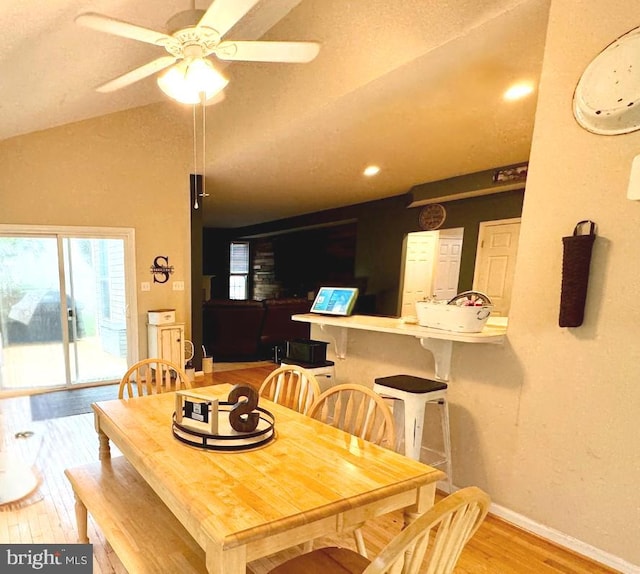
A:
(456, 318)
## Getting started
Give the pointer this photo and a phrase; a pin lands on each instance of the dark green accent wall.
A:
(381, 228)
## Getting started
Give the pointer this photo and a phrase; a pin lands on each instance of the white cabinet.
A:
(167, 342)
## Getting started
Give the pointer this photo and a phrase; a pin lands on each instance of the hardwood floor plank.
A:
(498, 547)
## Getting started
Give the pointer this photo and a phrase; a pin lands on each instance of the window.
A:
(239, 270)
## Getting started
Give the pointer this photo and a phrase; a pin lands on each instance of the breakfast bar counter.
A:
(438, 341)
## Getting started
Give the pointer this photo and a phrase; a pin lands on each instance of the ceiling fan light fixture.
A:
(188, 80)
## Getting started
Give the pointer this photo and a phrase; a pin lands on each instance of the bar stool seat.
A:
(325, 372)
(415, 393)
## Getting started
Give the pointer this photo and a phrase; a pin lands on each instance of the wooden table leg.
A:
(426, 497)
(229, 561)
(104, 450)
(425, 500)
(81, 521)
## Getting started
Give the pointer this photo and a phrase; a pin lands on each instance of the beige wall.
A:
(548, 423)
(129, 169)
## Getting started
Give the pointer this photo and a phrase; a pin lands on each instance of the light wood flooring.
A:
(56, 444)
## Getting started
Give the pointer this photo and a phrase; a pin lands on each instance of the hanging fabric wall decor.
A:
(575, 273)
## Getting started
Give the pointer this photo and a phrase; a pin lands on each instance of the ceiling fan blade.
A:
(301, 52)
(223, 14)
(137, 74)
(120, 28)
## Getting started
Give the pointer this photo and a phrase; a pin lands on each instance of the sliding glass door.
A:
(64, 306)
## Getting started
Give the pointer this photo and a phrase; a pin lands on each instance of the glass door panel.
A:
(64, 307)
(32, 352)
(96, 308)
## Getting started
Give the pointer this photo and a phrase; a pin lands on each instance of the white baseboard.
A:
(564, 540)
(555, 536)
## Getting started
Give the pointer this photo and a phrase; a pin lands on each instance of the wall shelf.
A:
(437, 341)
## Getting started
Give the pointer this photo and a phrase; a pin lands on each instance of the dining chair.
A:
(152, 376)
(291, 386)
(432, 543)
(359, 411)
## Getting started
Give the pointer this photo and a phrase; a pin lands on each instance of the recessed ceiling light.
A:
(371, 170)
(518, 91)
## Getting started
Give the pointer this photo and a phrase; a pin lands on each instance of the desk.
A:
(312, 480)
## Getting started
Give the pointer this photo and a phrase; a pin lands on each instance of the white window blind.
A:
(239, 270)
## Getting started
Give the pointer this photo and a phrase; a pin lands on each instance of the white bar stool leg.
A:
(446, 438)
(413, 426)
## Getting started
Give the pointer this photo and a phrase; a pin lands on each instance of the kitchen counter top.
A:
(438, 341)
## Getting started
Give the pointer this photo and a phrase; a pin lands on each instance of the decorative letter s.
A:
(161, 269)
(242, 416)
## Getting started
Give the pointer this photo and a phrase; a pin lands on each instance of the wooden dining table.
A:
(311, 480)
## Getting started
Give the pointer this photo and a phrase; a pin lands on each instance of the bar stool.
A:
(415, 393)
(325, 372)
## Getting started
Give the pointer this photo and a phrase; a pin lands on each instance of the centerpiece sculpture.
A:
(232, 425)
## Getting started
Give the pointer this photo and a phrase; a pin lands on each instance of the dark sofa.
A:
(247, 330)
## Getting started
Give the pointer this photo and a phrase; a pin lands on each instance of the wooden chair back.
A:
(437, 537)
(152, 376)
(356, 409)
(291, 386)
(432, 544)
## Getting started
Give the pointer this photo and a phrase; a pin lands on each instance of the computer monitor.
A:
(335, 301)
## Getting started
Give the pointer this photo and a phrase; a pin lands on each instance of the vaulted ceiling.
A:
(414, 86)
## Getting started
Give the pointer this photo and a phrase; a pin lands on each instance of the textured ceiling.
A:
(414, 86)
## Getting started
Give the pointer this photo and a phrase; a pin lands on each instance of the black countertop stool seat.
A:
(324, 371)
(415, 393)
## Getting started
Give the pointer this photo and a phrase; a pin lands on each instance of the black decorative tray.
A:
(227, 438)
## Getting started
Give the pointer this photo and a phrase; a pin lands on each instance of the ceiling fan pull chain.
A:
(204, 142)
(195, 161)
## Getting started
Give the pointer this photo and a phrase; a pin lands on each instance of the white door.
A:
(445, 283)
(418, 268)
(496, 261)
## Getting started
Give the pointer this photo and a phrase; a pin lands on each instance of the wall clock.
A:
(432, 216)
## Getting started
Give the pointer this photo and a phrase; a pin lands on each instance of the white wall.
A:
(548, 423)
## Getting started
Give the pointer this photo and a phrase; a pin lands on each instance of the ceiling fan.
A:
(192, 36)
